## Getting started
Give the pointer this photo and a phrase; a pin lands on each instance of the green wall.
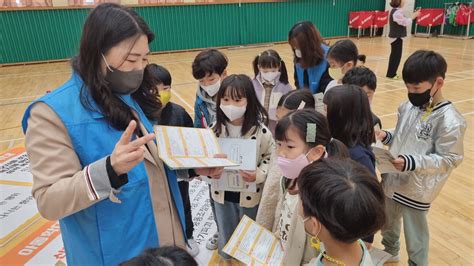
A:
(37, 35)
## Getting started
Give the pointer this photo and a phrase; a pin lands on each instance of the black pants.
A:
(184, 190)
(395, 57)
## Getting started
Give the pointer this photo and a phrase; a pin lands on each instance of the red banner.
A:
(430, 17)
(380, 18)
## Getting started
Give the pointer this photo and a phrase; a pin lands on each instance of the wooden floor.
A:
(451, 218)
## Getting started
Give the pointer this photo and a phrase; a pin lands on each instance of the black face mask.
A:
(122, 82)
(420, 99)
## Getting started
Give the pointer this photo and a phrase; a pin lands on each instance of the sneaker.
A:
(396, 77)
(393, 258)
(192, 247)
(212, 241)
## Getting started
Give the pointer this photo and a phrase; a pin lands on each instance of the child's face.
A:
(370, 93)
(162, 87)
(343, 66)
(211, 79)
(421, 87)
(268, 70)
(228, 100)
(293, 147)
(164, 93)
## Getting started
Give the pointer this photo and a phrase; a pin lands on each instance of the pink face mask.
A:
(291, 168)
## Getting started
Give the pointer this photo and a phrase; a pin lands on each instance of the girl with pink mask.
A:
(302, 137)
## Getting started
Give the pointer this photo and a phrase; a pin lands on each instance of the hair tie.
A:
(310, 132)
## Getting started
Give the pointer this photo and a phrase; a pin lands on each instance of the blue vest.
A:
(314, 73)
(105, 233)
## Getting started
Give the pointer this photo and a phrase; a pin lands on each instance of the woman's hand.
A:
(127, 154)
(248, 176)
(214, 172)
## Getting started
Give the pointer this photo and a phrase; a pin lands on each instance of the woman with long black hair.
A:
(93, 158)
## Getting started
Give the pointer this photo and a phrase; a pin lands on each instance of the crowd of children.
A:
(317, 187)
(316, 178)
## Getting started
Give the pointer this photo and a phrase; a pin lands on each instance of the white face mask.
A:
(212, 89)
(233, 112)
(269, 76)
(298, 53)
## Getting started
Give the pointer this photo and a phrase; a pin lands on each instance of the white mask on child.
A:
(270, 76)
(233, 112)
(298, 53)
(212, 89)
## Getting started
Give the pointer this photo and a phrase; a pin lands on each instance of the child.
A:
(294, 100)
(366, 79)
(163, 256)
(350, 121)
(270, 82)
(398, 31)
(302, 99)
(342, 56)
(341, 202)
(428, 141)
(240, 115)
(209, 68)
(157, 82)
(311, 67)
(302, 137)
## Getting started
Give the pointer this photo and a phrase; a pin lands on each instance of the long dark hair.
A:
(344, 196)
(106, 26)
(349, 115)
(309, 42)
(271, 59)
(299, 120)
(237, 87)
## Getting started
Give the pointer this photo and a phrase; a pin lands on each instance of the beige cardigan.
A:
(59, 186)
(265, 147)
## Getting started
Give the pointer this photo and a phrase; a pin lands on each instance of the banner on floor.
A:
(28, 239)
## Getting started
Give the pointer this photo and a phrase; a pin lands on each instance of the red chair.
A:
(354, 21)
(429, 17)
(464, 15)
(380, 20)
(360, 20)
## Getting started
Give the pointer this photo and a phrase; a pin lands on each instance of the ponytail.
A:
(255, 65)
(361, 58)
(337, 149)
(283, 73)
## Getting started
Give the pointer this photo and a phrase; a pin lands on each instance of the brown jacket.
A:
(61, 186)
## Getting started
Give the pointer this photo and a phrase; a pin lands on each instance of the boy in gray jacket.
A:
(428, 141)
